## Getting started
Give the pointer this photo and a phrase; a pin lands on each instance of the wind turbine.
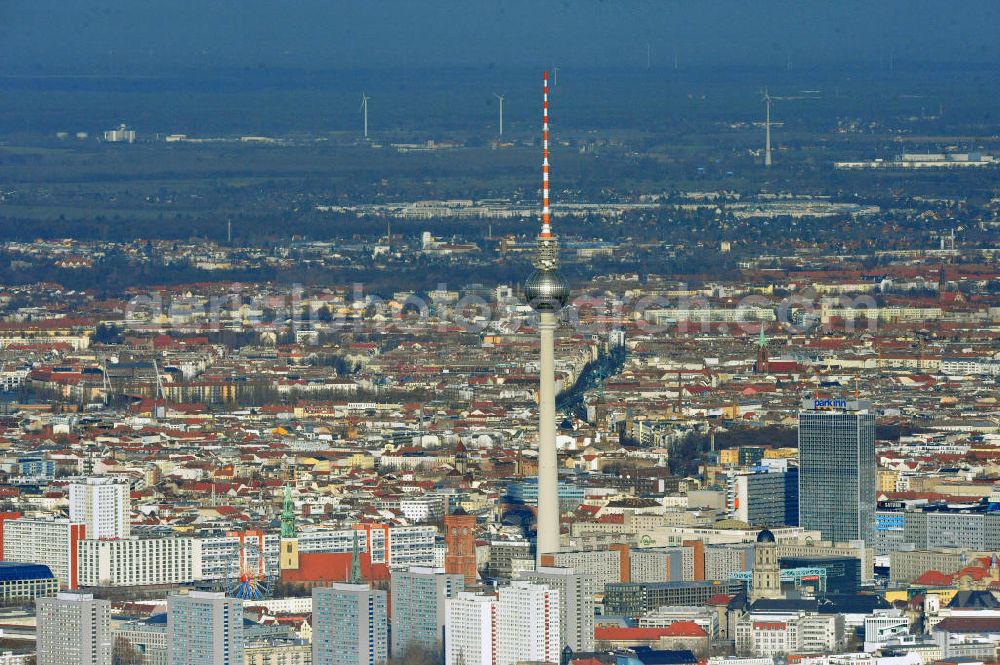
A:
(767, 129)
(364, 110)
(500, 97)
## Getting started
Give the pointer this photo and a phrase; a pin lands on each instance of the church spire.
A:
(288, 515)
(355, 576)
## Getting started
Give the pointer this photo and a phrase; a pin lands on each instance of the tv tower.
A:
(547, 292)
(767, 129)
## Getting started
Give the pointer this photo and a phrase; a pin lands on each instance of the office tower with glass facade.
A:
(837, 469)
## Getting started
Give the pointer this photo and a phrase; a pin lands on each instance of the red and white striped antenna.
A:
(546, 226)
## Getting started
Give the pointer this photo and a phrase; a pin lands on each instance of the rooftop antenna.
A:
(229, 231)
(500, 97)
(160, 394)
(364, 110)
(767, 129)
(105, 381)
(680, 392)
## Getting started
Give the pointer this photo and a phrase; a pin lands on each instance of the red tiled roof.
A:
(618, 634)
(719, 599)
(969, 625)
(333, 567)
(685, 629)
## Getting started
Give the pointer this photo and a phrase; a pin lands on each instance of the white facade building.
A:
(139, 561)
(52, 542)
(528, 624)
(470, 633)
(576, 603)
(103, 503)
(777, 633)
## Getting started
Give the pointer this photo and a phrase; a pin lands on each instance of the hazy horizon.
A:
(113, 36)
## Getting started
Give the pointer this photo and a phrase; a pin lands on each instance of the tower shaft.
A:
(767, 135)
(548, 475)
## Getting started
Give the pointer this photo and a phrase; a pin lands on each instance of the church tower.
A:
(766, 580)
(761, 365)
(288, 556)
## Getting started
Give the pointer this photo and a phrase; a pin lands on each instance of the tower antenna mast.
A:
(364, 110)
(500, 97)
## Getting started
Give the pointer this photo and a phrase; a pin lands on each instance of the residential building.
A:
(576, 603)
(418, 598)
(471, 636)
(103, 504)
(204, 628)
(138, 561)
(73, 629)
(528, 619)
(349, 625)
(52, 542)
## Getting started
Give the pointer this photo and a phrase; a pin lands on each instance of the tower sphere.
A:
(546, 290)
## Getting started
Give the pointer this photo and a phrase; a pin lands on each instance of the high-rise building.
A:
(418, 607)
(765, 499)
(837, 469)
(470, 636)
(204, 628)
(576, 603)
(103, 504)
(74, 629)
(547, 292)
(52, 542)
(460, 545)
(349, 625)
(138, 561)
(520, 624)
(528, 617)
